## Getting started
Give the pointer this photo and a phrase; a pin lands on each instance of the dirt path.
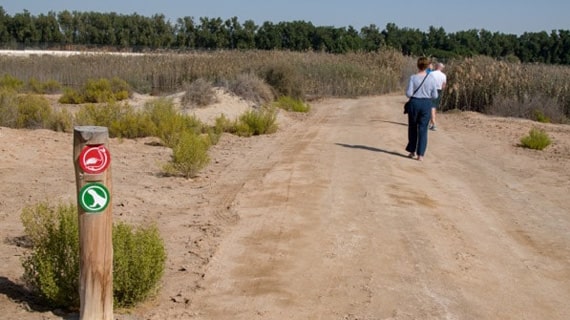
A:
(328, 219)
(344, 226)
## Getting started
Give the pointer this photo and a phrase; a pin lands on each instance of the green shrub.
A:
(139, 261)
(8, 108)
(169, 123)
(537, 139)
(47, 87)
(189, 155)
(222, 124)
(131, 124)
(257, 122)
(540, 117)
(291, 104)
(121, 89)
(12, 83)
(61, 121)
(52, 268)
(35, 220)
(51, 86)
(98, 91)
(242, 129)
(122, 119)
(71, 96)
(97, 115)
(199, 93)
(34, 112)
(35, 86)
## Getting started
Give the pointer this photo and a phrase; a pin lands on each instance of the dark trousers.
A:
(418, 121)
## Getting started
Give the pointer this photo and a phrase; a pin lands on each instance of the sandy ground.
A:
(328, 219)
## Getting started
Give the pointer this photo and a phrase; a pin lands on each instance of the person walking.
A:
(441, 81)
(421, 89)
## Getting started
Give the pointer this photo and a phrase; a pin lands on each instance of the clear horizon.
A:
(508, 17)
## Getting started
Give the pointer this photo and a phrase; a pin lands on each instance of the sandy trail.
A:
(328, 219)
(344, 226)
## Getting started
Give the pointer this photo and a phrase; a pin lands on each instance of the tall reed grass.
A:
(320, 74)
(481, 84)
(532, 91)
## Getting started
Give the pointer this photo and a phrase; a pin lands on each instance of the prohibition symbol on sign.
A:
(94, 159)
(94, 197)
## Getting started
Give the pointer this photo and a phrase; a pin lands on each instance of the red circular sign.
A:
(94, 159)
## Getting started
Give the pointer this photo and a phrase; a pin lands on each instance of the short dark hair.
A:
(423, 63)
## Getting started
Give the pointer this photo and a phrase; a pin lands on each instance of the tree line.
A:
(135, 32)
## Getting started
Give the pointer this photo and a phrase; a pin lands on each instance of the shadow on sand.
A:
(392, 122)
(356, 146)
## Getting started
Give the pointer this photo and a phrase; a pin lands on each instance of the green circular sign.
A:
(94, 197)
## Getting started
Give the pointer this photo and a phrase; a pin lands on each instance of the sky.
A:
(504, 16)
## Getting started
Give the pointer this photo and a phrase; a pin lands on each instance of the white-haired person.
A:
(441, 81)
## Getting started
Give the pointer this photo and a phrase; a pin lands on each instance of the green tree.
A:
(22, 28)
(372, 38)
(4, 21)
(296, 35)
(212, 34)
(269, 37)
(185, 33)
(48, 28)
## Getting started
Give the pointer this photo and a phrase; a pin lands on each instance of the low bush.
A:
(540, 117)
(138, 263)
(122, 120)
(223, 124)
(97, 91)
(257, 122)
(50, 86)
(199, 93)
(291, 104)
(52, 267)
(537, 139)
(121, 89)
(71, 96)
(131, 124)
(97, 115)
(252, 88)
(189, 155)
(61, 121)
(169, 124)
(9, 82)
(8, 108)
(34, 112)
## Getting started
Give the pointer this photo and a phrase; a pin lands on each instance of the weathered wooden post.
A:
(93, 178)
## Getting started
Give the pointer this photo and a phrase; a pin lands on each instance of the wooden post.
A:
(93, 178)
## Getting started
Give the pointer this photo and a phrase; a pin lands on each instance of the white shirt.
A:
(440, 78)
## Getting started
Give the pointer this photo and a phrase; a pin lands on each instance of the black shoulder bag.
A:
(407, 104)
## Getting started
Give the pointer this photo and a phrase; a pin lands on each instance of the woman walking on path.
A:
(421, 90)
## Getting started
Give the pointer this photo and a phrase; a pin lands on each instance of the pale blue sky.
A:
(505, 16)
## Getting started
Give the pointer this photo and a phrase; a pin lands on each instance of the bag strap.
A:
(418, 88)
